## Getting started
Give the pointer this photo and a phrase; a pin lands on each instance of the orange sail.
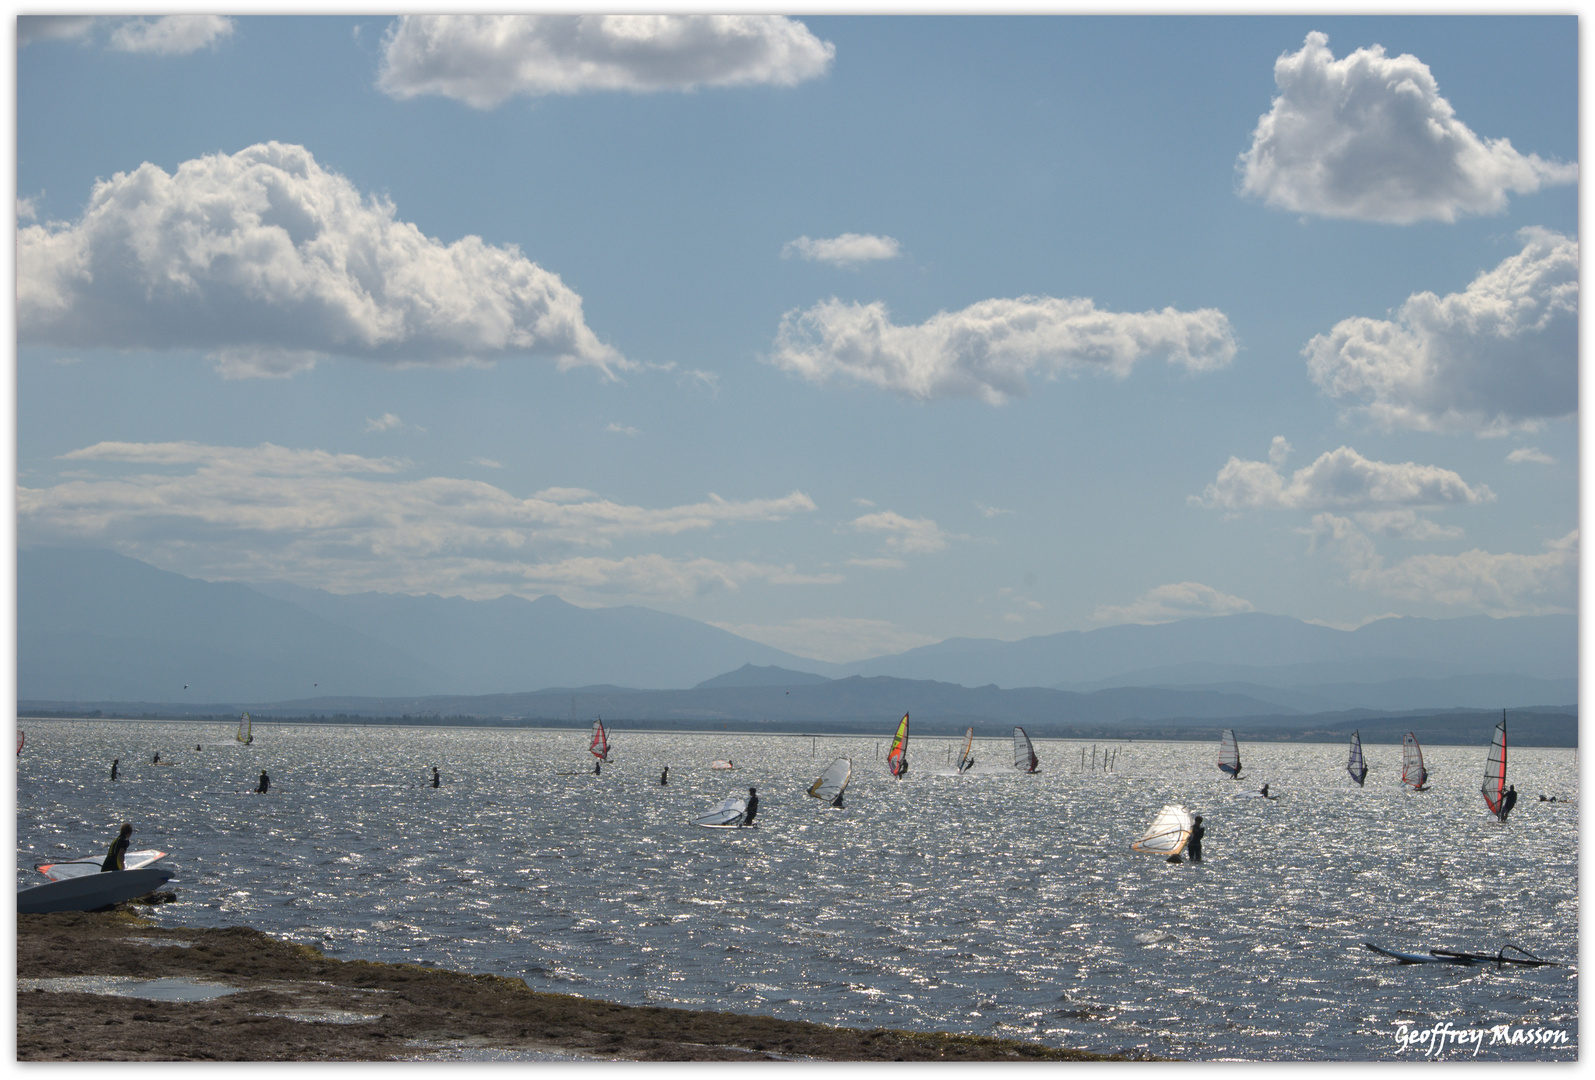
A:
(897, 756)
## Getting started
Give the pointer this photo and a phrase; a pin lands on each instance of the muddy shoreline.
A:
(294, 1004)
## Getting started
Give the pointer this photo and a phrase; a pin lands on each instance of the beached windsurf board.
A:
(90, 891)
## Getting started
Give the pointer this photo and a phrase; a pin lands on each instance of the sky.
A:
(845, 334)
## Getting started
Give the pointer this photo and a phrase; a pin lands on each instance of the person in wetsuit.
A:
(664, 777)
(837, 802)
(1508, 801)
(598, 768)
(1264, 792)
(753, 807)
(264, 785)
(436, 780)
(113, 857)
(1194, 846)
(156, 760)
(114, 763)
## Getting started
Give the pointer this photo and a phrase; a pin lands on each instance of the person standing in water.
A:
(664, 777)
(114, 763)
(753, 807)
(264, 785)
(1195, 844)
(113, 857)
(156, 760)
(1264, 792)
(598, 768)
(436, 779)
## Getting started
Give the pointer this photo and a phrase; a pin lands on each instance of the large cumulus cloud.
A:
(1370, 138)
(1501, 355)
(986, 350)
(268, 261)
(484, 60)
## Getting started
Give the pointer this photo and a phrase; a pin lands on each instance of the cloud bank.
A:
(1502, 355)
(1339, 479)
(348, 522)
(847, 250)
(484, 60)
(1370, 138)
(268, 262)
(168, 35)
(1167, 603)
(986, 350)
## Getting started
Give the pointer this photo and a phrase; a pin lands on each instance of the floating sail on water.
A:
(246, 731)
(728, 814)
(600, 744)
(1413, 774)
(965, 762)
(1229, 755)
(1169, 832)
(897, 756)
(1495, 769)
(1354, 764)
(833, 781)
(1024, 755)
(721, 763)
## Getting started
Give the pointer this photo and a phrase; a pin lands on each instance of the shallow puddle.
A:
(121, 986)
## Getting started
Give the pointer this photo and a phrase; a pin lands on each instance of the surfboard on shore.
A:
(90, 891)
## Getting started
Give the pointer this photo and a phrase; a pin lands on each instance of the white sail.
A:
(1354, 762)
(728, 813)
(246, 731)
(90, 864)
(965, 761)
(1413, 774)
(833, 781)
(1494, 787)
(1024, 755)
(1169, 832)
(1229, 755)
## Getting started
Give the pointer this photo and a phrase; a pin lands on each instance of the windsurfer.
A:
(264, 785)
(1194, 845)
(664, 777)
(1508, 801)
(837, 802)
(436, 779)
(156, 760)
(113, 857)
(753, 806)
(1264, 792)
(114, 763)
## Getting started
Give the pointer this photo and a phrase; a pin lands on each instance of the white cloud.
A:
(1534, 454)
(990, 511)
(1339, 479)
(486, 463)
(171, 35)
(269, 262)
(385, 422)
(1167, 603)
(907, 535)
(838, 639)
(31, 28)
(986, 350)
(484, 60)
(27, 209)
(847, 250)
(622, 429)
(1370, 138)
(1500, 356)
(345, 521)
(879, 563)
(1497, 583)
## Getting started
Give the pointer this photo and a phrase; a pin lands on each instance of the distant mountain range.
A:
(95, 626)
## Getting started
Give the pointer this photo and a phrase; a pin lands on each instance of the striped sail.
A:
(1024, 755)
(964, 760)
(1229, 755)
(1495, 770)
(1413, 774)
(600, 744)
(1168, 834)
(897, 756)
(1354, 763)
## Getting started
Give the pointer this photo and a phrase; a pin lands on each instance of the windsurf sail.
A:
(897, 756)
(1229, 755)
(1495, 769)
(246, 731)
(600, 744)
(1169, 832)
(1024, 755)
(721, 763)
(1354, 763)
(965, 760)
(22, 737)
(730, 812)
(833, 781)
(1413, 774)
(90, 864)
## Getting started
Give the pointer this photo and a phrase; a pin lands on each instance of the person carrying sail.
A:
(113, 857)
(264, 785)
(753, 806)
(1508, 801)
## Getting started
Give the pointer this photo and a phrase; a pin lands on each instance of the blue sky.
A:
(846, 334)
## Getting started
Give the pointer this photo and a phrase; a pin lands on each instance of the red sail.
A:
(1495, 770)
(897, 756)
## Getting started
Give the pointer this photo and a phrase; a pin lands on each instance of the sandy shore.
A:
(294, 1004)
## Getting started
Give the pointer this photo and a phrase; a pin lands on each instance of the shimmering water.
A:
(994, 903)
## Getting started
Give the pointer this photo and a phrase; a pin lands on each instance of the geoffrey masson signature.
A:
(1435, 1039)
